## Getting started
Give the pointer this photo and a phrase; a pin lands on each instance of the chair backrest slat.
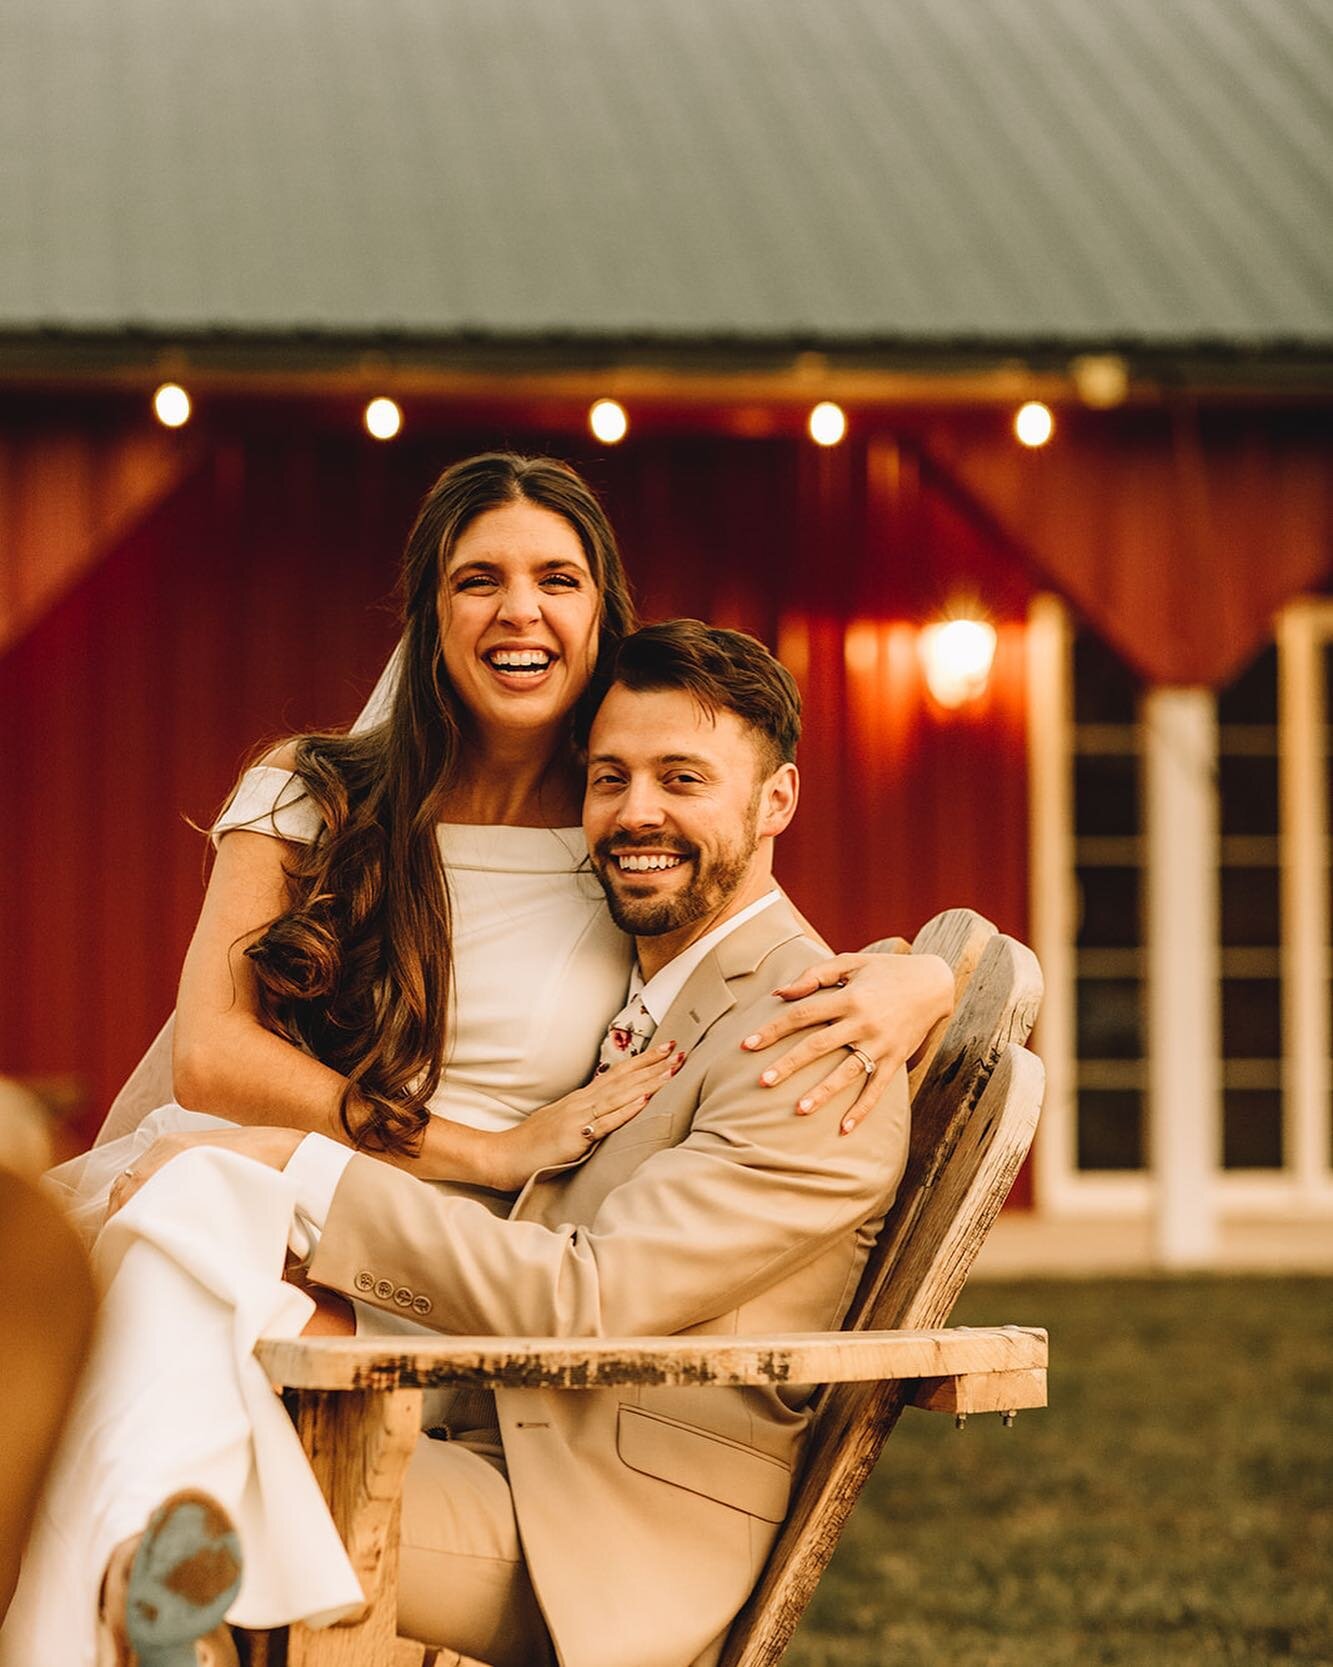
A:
(973, 1117)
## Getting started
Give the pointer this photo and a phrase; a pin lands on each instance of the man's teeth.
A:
(520, 659)
(641, 865)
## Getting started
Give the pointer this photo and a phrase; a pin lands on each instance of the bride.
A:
(401, 946)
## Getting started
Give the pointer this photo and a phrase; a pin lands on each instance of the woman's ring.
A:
(589, 1132)
(863, 1059)
(128, 1174)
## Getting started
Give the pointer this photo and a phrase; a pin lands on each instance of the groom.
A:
(625, 1528)
(643, 1516)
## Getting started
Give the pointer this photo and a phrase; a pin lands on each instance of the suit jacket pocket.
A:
(704, 1463)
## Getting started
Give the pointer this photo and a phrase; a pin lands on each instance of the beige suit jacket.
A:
(646, 1514)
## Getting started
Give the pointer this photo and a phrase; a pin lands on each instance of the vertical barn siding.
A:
(249, 602)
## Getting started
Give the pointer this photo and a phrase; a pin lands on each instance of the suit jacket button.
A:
(384, 1289)
(403, 1297)
(365, 1281)
(421, 1305)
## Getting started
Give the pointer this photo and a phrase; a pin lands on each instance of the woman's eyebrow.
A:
(554, 565)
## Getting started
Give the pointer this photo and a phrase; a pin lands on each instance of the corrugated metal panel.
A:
(1080, 171)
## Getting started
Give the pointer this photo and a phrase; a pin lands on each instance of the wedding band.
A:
(589, 1132)
(863, 1059)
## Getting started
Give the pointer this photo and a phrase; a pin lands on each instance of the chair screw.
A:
(960, 1419)
(1009, 1420)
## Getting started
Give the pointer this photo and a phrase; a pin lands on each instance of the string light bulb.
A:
(609, 421)
(171, 405)
(956, 657)
(1033, 423)
(383, 418)
(827, 423)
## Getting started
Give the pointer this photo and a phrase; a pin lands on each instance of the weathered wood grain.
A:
(359, 1443)
(981, 1392)
(946, 1231)
(998, 1008)
(374, 1363)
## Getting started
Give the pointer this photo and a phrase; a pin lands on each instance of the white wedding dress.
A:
(191, 1268)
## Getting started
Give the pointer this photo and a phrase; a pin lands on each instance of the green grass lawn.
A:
(1172, 1507)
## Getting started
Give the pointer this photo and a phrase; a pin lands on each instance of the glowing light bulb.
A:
(1101, 380)
(609, 421)
(956, 656)
(171, 405)
(383, 418)
(827, 423)
(1033, 423)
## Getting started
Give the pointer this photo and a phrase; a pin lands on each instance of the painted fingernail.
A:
(680, 1058)
(750, 1042)
(847, 1125)
(768, 1078)
(804, 1106)
(600, 1069)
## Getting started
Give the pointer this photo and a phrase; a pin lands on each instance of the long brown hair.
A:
(359, 968)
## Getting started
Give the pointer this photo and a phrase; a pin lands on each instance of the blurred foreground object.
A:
(47, 1306)
(25, 1130)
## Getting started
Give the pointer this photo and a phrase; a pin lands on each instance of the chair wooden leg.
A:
(359, 1443)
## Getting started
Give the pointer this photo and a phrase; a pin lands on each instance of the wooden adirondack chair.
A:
(976, 1092)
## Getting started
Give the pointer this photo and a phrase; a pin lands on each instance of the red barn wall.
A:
(250, 601)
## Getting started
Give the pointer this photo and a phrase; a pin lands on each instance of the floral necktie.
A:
(628, 1033)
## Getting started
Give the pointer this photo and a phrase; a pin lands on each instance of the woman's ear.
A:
(777, 800)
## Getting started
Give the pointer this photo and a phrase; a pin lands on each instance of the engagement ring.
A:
(866, 1063)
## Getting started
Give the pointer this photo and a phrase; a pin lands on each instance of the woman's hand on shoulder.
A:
(885, 1006)
(564, 1130)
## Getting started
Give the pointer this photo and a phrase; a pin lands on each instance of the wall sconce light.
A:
(956, 657)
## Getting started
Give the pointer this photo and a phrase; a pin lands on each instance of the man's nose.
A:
(641, 807)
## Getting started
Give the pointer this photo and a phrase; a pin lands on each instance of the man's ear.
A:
(777, 800)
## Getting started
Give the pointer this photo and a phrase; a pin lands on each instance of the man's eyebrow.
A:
(693, 759)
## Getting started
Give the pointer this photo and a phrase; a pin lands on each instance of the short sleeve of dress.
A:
(270, 801)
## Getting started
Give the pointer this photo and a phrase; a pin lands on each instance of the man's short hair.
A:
(725, 671)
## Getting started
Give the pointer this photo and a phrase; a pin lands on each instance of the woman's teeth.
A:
(641, 865)
(519, 659)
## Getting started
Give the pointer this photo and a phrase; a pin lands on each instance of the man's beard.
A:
(712, 883)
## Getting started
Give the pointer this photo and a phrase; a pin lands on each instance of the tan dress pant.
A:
(463, 1583)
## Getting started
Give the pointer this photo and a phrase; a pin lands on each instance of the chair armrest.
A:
(378, 1363)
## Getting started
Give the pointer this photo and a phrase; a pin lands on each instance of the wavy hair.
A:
(359, 968)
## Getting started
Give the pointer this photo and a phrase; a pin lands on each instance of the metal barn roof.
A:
(1083, 172)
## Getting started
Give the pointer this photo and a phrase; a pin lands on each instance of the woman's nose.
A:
(520, 604)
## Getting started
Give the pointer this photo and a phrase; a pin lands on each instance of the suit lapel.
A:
(706, 994)
(704, 997)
